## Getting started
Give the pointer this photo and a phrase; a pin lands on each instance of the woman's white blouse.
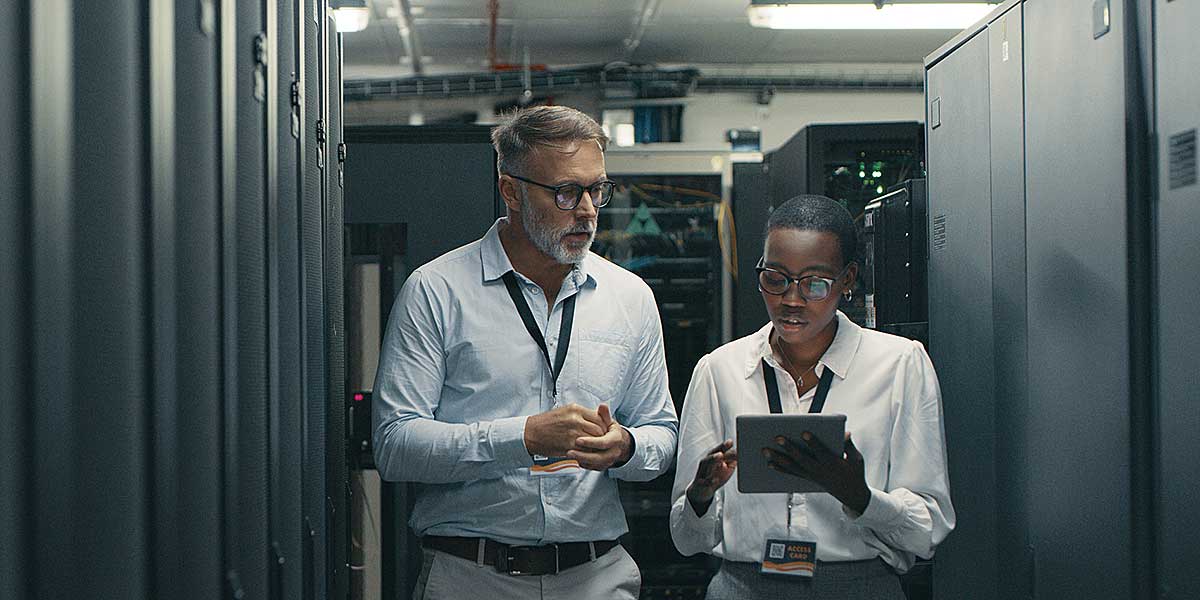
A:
(886, 387)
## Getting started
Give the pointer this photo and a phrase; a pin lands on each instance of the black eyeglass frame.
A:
(760, 267)
(591, 190)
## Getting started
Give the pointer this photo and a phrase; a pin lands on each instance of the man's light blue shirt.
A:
(459, 374)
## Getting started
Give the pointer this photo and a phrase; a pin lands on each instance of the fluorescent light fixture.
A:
(351, 15)
(959, 15)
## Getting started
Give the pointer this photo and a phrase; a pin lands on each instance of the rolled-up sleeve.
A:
(410, 445)
(914, 514)
(700, 431)
(647, 410)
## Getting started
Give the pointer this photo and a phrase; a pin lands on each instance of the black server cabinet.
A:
(751, 207)
(311, 87)
(438, 186)
(1178, 220)
(960, 311)
(1078, 316)
(109, 372)
(338, 482)
(851, 163)
(283, 212)
(14, 305)
(152, 254)
(198, 422)
(1006, 96)
(247, 345)
(894, 262)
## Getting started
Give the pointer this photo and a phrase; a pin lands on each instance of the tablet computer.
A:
(755, 432)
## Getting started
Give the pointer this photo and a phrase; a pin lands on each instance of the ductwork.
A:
(639, 81)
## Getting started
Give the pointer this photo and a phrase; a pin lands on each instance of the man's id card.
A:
(548, 465)
(790, 556)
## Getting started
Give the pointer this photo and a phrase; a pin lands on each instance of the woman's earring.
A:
(848, 295)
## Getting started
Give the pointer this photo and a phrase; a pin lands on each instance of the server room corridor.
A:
(209, 207)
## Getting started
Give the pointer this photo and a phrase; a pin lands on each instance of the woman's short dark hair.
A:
(810, 212)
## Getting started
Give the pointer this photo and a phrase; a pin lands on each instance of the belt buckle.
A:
(502, 561)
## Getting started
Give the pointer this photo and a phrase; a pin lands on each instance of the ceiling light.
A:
(351, 15)
(775, 15)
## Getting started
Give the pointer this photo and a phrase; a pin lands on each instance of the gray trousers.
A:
(448, 577)
(865, 579)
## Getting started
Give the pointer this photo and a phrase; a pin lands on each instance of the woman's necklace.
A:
(790, 367)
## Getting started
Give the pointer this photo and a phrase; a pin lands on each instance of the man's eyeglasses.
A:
(812, 287)
(568, 195)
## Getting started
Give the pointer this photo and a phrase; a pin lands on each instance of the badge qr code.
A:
(777, 551)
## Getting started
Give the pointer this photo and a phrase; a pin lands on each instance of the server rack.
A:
(751, 208)
(152, 273)
(14, 316)
(1177, 219)
(398, 180)
(852, 163)
(895, 262)
(1064, 259)
(313, 95)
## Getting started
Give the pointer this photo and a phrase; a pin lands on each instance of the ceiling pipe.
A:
(645, 15)
(494, 63)
(678, 82)
(408, 34)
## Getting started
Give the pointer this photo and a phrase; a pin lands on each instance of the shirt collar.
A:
(496, 263)
(837, 357)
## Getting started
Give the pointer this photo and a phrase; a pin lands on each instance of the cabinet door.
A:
(1178, 233)
(14, 310)
(1078, 382)
(194, 466)
(1006, 78)
(960, 310)
(312, 160)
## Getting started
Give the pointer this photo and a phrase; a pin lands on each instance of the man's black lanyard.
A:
(773, 390)
(564, 327)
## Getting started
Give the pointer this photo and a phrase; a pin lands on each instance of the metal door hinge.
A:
(341, 154)
(260, 67)
(320, 143)
(295, 107)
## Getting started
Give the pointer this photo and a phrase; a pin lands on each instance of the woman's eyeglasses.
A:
(812, 287)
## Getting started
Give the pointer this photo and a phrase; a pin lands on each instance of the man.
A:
(522, 375)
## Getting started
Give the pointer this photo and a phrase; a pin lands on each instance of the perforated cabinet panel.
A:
(338, 473)
(198, 263)
(107, 387)
(14, 305)
(313, 298)
(250, 561)
(286, 420)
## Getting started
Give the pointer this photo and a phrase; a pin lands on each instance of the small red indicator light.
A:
(358, 397)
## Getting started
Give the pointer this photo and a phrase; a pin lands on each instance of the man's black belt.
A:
(521, 560)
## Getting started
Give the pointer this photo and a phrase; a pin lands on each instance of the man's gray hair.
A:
(524, 130)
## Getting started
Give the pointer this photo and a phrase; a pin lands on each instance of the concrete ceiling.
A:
(453, 37)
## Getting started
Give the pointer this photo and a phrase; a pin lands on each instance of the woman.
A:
(888, 495)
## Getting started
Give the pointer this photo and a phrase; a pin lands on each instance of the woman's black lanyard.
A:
(564, 327)
(773, 390)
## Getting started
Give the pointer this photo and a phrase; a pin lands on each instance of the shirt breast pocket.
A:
(602, 363)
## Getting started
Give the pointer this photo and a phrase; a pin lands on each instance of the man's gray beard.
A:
(549, 239)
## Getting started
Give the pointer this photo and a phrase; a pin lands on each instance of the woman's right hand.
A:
(713, 471)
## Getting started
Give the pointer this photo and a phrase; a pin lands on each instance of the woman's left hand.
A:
(841, 476)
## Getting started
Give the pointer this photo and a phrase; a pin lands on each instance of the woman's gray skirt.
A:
(868, 579)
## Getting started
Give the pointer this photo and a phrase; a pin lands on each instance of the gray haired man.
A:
(521, 376)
